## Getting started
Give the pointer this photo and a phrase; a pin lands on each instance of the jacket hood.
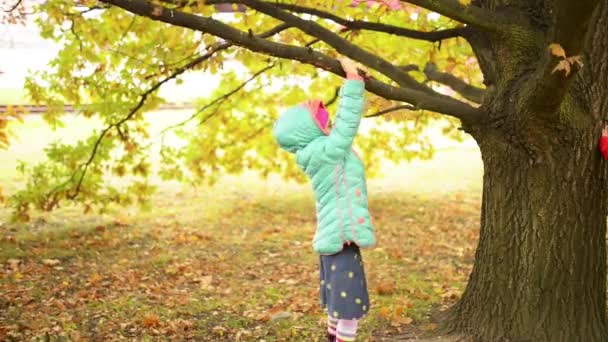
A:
(298, 126)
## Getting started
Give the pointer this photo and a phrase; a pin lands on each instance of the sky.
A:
(23, 50)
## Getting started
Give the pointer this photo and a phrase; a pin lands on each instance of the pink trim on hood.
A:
(322, 116)
(314, 106)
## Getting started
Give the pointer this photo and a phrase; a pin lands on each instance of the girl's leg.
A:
(332, 325)
(346, 330)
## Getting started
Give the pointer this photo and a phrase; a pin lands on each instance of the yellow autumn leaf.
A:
(557, 50)
(95, 279)
(398, 310)
(562, 65)
(151, 321)
(397, 321)
(385, 312)
(51, 262)
(575, 60)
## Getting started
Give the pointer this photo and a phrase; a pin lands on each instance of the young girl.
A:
(338, 179)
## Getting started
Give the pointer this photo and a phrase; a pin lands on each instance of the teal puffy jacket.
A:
(336, 172)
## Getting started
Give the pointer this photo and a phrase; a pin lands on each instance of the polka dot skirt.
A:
(343, 285)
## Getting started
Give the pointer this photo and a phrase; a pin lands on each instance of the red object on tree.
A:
(604, 147)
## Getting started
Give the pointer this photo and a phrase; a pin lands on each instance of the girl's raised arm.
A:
(348, 117)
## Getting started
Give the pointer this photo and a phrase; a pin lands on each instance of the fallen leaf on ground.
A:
(385, 289)
(151, 321)
(397, 321)
(51, 262)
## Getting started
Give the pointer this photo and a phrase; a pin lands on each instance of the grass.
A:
(234, 261)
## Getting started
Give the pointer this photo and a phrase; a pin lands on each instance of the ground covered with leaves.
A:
(231, 262)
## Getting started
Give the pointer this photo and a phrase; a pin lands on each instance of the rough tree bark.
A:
(540, 267)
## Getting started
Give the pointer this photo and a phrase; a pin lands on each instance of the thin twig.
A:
(73, 30)
(219, 100)
(247, 138)
(12, 8)
(94, 8)
(392, 109)
(129, 27)
(334, 98)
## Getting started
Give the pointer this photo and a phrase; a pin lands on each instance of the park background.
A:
(231, 260)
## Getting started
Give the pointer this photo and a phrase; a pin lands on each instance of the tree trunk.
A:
(540, 268)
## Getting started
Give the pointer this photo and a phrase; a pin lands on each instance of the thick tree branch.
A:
(468, 91)
(421, 99)
(410, 67)
(471, 15)
(571, 21)
(341, 45)
(366, 25)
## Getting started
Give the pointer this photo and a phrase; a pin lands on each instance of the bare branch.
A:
(366, 25)
(392, 109)
(410, 67)
(468, 91)
(470, 15)
(14, 7)
(421, 99)
(434, 102)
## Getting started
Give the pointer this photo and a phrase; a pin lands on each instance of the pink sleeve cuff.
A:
(356, 76)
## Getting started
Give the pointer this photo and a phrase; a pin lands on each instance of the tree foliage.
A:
(113, 63)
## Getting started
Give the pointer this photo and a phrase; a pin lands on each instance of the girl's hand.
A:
(350, 68)
(605, 131)
(348, 65)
